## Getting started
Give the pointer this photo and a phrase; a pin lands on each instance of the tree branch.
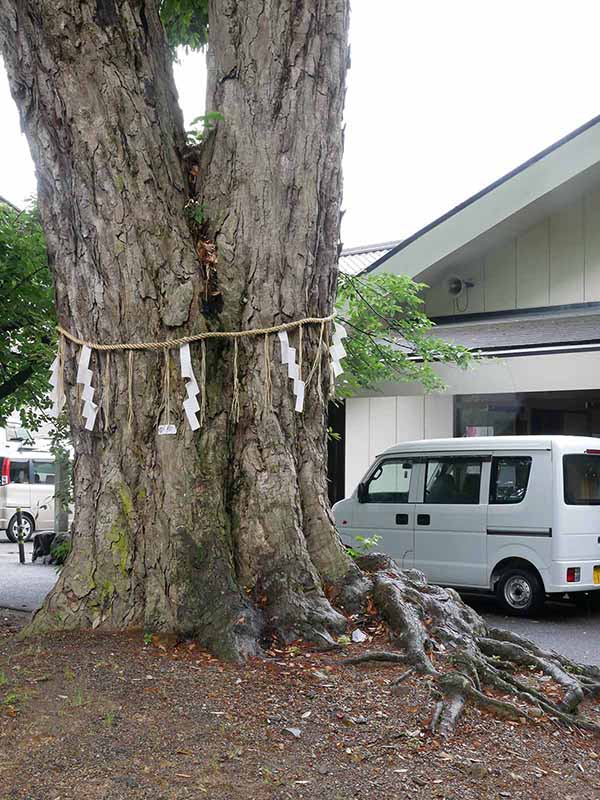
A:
(17, 380)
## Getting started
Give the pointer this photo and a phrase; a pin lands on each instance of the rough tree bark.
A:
(224, 535)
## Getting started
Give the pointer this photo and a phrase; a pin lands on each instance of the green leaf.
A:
(28, 321)
(390, 338)
(185, 22)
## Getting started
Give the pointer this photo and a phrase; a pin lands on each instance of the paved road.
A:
(23, 586)
(561, 626)
(573, 631)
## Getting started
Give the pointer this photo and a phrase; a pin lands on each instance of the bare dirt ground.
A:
(106, 717)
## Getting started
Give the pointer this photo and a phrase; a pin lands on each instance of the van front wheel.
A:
(12, 530)
(520, 592)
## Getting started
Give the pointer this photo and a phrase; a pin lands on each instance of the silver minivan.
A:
(516, 515)
(26, 482)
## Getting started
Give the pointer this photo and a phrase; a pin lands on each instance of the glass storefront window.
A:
(539, 413)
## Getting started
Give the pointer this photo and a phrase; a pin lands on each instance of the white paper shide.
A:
(190, 404)
(84, 377)
(288, 356)
(58, 395)
(336, 350)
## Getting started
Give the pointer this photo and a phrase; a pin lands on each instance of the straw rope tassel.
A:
(316, 366)
(130, 389)
(268, 405)
(60, 387)
(106, 391)
(203, 383)
(331, 372)
(235, 401)
(167, 385)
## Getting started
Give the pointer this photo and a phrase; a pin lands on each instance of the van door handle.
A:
(401, 519)
(423, 519)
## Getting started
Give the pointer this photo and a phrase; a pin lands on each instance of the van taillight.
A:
(5, 479)
(592, 452)
(573, 574)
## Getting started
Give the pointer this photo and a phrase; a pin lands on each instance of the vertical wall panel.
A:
(382, 424)
(410, 418)
(500, 278)
(566, 255)
(437, 300)
(591, 215)
(439, 410)
(356, 440)
(533, 280)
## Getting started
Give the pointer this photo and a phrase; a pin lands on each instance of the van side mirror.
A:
(361, 493)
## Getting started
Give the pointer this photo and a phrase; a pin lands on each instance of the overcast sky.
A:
(443, 98)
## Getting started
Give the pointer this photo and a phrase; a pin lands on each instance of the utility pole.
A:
(20, 537)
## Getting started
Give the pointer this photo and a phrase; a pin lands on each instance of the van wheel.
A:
(28, 528)
(520, 592)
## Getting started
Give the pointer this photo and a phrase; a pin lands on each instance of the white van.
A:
(516, 515)
(26, 482)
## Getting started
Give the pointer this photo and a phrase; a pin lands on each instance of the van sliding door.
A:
(450, 536)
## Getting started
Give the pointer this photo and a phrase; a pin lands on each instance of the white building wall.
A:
(375, 423)
(555, 262)
(402, 413)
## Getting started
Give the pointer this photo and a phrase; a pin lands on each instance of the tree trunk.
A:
(224, 534)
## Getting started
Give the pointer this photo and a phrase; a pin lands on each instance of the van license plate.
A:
(597, 574)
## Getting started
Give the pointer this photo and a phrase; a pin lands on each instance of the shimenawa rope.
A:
(196, 337)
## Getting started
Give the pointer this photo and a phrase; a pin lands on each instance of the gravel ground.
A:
(105, 717)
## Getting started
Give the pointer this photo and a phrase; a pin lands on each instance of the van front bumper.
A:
(559, 584)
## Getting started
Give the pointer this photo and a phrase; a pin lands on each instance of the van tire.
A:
(520, 592)
(11, 529)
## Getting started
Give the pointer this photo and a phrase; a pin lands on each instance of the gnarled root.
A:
(438, 635)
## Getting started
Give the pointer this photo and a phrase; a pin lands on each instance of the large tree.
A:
(225, 534)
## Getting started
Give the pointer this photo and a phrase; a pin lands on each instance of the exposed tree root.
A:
(439, 636)
(377, 655)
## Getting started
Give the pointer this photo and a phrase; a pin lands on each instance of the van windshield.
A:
(582, 480)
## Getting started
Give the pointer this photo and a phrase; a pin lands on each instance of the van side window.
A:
(510, 476)
(453, 481)
(19, 471)
(43, 472)
(582, 480)
(389, 483)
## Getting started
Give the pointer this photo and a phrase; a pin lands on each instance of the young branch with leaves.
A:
(390, 338)
(27, 322)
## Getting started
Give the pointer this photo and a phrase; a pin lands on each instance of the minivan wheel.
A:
(520, 592)
(28, 528)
